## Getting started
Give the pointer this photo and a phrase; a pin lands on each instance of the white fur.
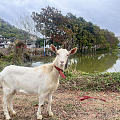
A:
(41, 80)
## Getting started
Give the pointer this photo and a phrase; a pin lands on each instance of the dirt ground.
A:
(67, 106)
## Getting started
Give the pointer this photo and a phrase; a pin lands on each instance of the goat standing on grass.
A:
(42, 80)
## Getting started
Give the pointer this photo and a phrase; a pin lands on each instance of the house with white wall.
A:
(4, 42)
(31, 44)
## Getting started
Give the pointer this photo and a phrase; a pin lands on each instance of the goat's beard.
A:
(61, 66)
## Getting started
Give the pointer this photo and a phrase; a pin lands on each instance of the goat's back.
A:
(27, 79)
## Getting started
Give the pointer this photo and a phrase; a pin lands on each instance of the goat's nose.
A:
(62, 62)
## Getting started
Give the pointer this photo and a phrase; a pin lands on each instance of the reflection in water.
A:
(115, 67)
(94, 62)
(90, 62)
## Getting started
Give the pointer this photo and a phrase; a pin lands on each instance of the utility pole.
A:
(44, 45)
(44, 37)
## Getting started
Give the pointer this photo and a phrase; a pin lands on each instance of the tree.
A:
(52, 24)
(70, 30)
(9, 31)
(39, 42)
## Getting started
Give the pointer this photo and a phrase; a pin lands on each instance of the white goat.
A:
(42, 80)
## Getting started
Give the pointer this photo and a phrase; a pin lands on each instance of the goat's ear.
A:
(73, 51)
(53, 48)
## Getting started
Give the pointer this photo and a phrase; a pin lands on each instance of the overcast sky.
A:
(104, 13)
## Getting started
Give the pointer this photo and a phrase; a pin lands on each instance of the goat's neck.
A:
(55, 73)
(55, 63)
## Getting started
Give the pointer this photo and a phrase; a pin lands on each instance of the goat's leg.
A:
(41, 102)
(10, 104)
(49, 104)
(5, 103)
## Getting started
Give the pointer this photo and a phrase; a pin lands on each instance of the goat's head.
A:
(62, 56)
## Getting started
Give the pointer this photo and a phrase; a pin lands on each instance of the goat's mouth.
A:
(62, 64)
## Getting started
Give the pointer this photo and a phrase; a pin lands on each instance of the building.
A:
(4, 42)
(31, 44)
(119, 41)
(2, 38)
(33, 37)
(118, 38)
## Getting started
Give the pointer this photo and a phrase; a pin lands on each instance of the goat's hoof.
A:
(14, 113)
(39, 117)
(50, 113)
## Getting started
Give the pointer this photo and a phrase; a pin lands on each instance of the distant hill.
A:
(9, 31)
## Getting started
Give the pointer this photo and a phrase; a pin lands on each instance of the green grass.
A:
(77, 80)
(10, 59)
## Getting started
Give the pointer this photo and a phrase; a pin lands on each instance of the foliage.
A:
(5, 61)
(9, 31)
(17, 55)
(85, 81)
(20, 54)
(51, 23)
(90, 36)
(69, 30)
(39, 42)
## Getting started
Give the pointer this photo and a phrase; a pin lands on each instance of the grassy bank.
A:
(85, 81)
(5, 61)
(13, 59)
(77, 80)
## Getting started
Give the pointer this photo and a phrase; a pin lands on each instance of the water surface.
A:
(97, 62)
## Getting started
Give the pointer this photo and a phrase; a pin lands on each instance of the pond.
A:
(91, 63)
